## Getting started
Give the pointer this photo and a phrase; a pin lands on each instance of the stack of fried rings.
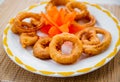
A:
(85, 41)
(19, 26)
(91, 42)
(27, 31)
(83, 13)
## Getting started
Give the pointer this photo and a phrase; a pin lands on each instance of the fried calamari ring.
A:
(83, 12)
(28, 39)
(23, 24)
(91, 21)
(90, 38)
(17, 26)
(55, 48)
(41, 48)
(56, 3)
(94, 49)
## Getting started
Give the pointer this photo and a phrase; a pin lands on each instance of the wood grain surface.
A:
(10, 72)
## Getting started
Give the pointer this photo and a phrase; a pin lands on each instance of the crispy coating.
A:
(28, 39)
(90, 38)
(91, 21)
(83, 12)
(19, 26)
(55, 48)
(91, 47)
(41, 48)
(26, 24)
(56, 3)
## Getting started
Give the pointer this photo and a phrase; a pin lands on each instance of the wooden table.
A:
(10, 72)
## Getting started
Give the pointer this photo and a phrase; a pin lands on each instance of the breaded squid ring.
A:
(41, 48)
(90, 38)
(91, 22)
(56, 3)
(23, 24)
(55, 48)
(94, 49)
(17, 26)
(28, 39)
(81, 6)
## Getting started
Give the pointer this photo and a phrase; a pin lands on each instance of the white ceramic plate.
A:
(25, 59)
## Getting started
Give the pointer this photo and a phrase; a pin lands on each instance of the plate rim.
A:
(64, 73)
